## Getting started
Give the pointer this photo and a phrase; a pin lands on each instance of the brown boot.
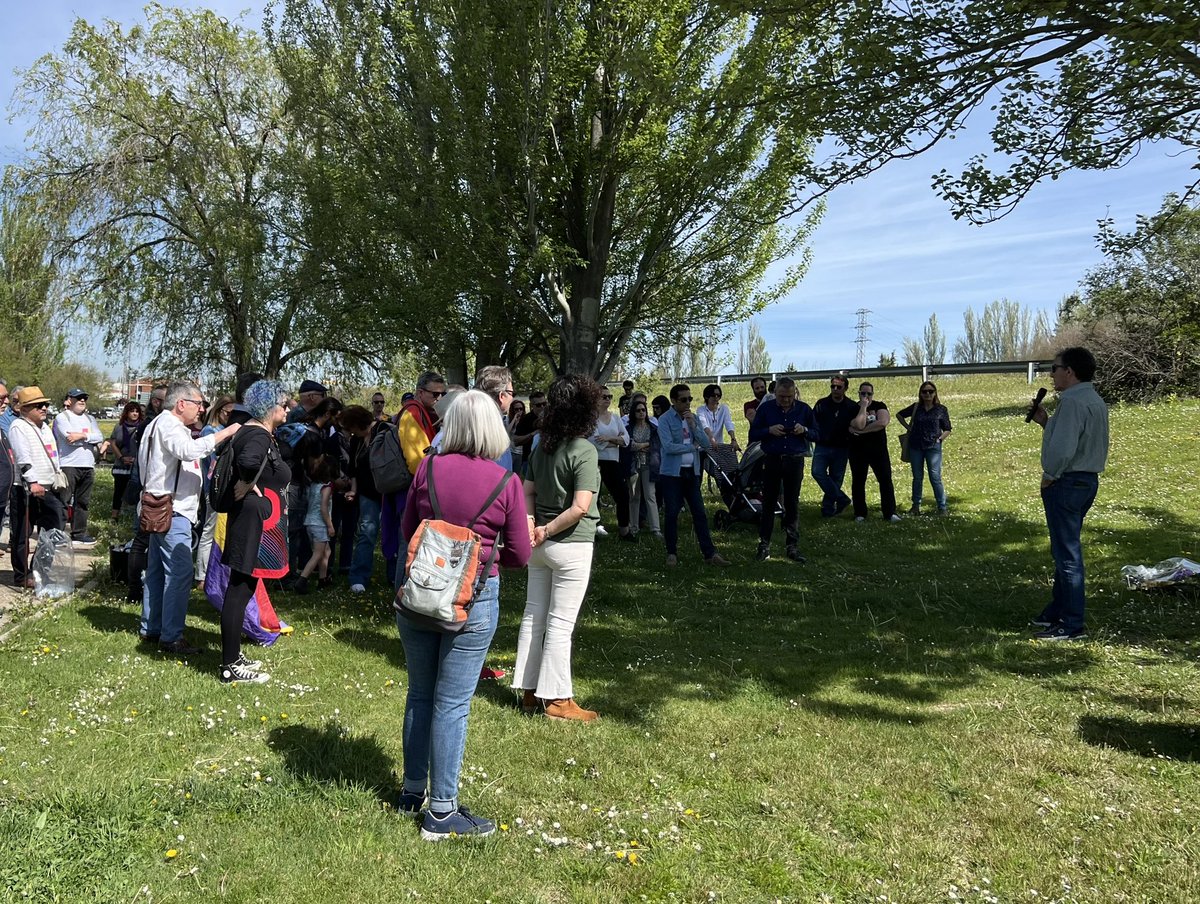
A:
(570, 711)
(530, 703)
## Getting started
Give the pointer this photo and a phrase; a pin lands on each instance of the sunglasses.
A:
(40, 406)
(865, 393)
(1054, 367)
(684, 398)
(436, 395)
(928, 391)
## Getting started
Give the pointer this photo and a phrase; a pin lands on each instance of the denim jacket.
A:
(670, 437)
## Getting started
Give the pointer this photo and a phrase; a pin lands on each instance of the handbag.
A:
(156, 511)
(904, 453)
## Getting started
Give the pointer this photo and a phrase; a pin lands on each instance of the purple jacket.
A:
(463, 485)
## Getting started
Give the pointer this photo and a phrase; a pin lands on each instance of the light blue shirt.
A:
(1076, 436)
(674, 447)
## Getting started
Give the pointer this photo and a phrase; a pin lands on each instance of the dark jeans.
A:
(1066, 501)
(345, 521)
(79, 485)
(299, 546)
(120, 481)
(27, 512)
(618, 488)
(829, 471)
(877, 460)
(676, 491)
(786, 471)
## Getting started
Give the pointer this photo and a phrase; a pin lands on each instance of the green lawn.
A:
(873, 726)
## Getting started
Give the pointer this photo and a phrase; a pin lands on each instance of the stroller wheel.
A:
(721, 519)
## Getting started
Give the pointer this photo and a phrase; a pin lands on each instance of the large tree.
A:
(1140, 308)
(561, 180)
(1082, 85)
(32, 344)
(163, 158)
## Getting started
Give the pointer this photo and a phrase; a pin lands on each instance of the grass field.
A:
(873, 726)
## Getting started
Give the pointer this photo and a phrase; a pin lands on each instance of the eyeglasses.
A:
(199, 403)
(509, 391)
(40, 406)
(837, 386)
(435, 394)
(865, 393)
(684, 398)
(928, 391)
(81, 398)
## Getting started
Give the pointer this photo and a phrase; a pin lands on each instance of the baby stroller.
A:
(739, 483)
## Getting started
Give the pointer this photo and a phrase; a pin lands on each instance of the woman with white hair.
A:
(443, 668)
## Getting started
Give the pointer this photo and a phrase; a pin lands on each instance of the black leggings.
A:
(233, 613)
(618, 488)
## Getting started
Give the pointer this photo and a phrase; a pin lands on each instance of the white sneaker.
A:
(600, 531)
(895, 519)
(859, 518)
(357, 588)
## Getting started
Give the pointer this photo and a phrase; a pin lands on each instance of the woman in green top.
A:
(562, 480)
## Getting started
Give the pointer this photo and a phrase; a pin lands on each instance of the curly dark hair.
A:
(570, 410)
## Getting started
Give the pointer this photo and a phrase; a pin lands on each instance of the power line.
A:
(861, 341)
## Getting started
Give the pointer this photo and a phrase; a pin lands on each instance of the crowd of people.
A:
(311, 489)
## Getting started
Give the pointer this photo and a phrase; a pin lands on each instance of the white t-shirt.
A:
(716, 422)
(614, 429)
(78, 454)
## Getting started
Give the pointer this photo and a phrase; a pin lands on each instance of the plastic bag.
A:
(1165, 573)
(53, 565)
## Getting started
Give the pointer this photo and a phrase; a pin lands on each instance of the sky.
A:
(887, 243)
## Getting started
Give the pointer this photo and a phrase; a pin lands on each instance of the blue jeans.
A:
(443, 670)
(676, 491)
(362, 562)
(829, 471)
(168, 583)
(919, 459)
(1066, 501)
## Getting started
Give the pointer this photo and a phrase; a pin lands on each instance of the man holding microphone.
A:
(784, 426)
(1074, 452)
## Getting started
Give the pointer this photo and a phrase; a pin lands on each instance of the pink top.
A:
(463, 485)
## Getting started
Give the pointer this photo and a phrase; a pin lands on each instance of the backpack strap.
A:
(437, 509)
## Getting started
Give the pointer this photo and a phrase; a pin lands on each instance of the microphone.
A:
(1041, 394)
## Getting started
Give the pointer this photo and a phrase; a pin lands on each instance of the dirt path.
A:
(18, 606)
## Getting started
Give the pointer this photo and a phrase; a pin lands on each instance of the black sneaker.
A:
(410, 802)
(764, 552)
(301, 585)
(459, 824)
(239, 674)
(179, 648)
(253, 664)
(794, 554)
(630, 536)
(841, 506)
(147, 638)
(84, 542)
(1041, 622)
(1060, 632)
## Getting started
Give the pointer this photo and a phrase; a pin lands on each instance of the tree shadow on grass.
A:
(1176, 740)
(886, 622)
(333, 756)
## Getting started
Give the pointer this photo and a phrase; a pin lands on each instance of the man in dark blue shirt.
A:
(834, 414)
(784, 426)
